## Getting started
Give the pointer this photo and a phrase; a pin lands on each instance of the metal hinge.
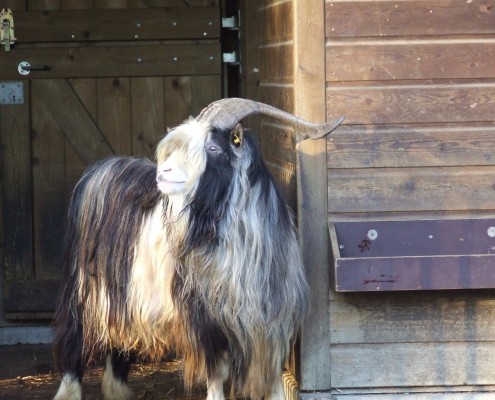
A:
(6, 29)
(230, 23)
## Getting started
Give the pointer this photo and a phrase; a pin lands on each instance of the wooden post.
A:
(309, 80)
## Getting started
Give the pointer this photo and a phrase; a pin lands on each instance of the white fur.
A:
(112, 388)
(277, 391)
(215, 385)
(70, 389)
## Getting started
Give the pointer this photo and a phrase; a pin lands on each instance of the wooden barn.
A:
(396, 208)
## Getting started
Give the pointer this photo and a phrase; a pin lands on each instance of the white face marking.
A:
(181, 158)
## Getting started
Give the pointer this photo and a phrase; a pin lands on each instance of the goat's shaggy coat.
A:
(209, 268)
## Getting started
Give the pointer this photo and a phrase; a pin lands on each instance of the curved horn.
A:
(226, 113)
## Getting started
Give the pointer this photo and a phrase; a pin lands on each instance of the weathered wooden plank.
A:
(309, 102)
(15, 137)
(76, 4)
(108, 24)
(276, 62)
(410, 317)
(73, 119)
(276, 21)
(114, 112)
(277, 142)
(417, 102)
(172, 3)
(410, 59)
(30, 296)
(43, 5)
(49, 196)
(278, 95)
(412, 364)
(471, 395)
(178, 100)
(85, 90)
(408, 18)
(148, 124)
(111, 61)
(411, 189)
(378, 146)
(15, 4)
(415, 273)
(204, 90)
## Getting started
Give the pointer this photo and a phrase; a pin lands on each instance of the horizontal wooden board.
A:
(412, 364)
(117, 24)
(412, 317)
(415, 102)
(111, 61)
(411, 189)
(408, 18)
(369, 60)
(276, 61)
(415, 273)
(414, 145)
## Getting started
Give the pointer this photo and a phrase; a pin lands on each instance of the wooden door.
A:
(113, 75)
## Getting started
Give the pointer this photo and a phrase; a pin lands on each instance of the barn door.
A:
(105, 77)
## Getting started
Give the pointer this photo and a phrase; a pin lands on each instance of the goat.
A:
(197, 254)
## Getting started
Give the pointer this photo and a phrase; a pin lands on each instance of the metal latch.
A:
(7, 29)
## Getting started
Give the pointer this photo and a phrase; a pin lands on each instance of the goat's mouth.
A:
(170, 186)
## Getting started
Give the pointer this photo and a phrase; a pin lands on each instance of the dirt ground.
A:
(27, 372)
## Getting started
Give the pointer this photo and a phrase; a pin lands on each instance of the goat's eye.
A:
(214, 149)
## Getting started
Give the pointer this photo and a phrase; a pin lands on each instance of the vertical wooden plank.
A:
(309, 41)
(205, 89)
(15, 137)
(178, 103)
(48, 148)
(74, 166)
(148, 125)
(114, 113)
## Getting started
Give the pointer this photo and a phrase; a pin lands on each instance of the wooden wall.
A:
(121, 72)
(415, 80)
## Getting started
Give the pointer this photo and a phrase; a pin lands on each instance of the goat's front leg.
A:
(215, 383)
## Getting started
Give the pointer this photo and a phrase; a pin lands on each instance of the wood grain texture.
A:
(414, 145)
(75, 122)
(49, 196)
(412, 364)
(90, 25)
(411, 189)
(112, 61)
(147, 110)
(411, 318)
(409, 18)
(415, 102)
(394, 59)
(17, 213)
(410, 396)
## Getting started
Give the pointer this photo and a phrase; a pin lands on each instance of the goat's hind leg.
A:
(114, 384)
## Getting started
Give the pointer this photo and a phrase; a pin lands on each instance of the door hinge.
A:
(230, 23)
(231, 58)
(6, 29)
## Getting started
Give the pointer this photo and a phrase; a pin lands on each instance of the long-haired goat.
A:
(197, 254)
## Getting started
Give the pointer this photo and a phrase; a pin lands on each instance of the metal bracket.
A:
(11, 93)
(7, 29)
(230, 23)
(231, 58)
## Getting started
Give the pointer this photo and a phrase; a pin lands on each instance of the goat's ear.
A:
(237, 136)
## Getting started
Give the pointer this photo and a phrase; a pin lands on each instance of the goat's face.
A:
(194, 152)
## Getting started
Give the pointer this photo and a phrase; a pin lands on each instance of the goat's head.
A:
(216, 137)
